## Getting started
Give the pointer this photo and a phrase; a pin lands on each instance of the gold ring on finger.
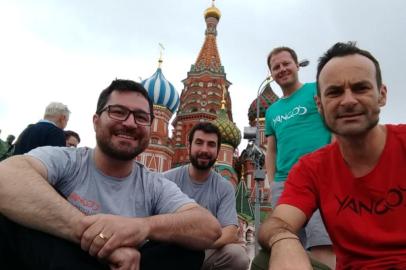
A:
(102, 236)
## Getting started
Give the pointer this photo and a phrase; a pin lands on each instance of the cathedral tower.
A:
(203, 89)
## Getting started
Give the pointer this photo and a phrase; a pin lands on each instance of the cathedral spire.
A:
(209, 57)
(161, 48)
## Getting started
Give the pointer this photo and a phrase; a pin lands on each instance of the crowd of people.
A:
(335, 175)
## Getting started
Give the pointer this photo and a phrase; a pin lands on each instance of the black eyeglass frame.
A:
(134, 113)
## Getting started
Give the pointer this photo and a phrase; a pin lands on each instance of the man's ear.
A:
(62, 121)
(382, 95)
(318, 103)
(95, 118)
(188, 147)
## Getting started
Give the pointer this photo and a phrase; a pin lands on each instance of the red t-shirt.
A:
(366, 216)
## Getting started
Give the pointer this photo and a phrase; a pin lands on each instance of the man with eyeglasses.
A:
(123, 215)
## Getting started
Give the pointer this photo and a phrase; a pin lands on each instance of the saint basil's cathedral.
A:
(206, 97)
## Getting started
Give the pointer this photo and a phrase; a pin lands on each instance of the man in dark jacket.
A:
(48, 131)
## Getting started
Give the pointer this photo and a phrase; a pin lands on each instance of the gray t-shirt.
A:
(216, 194)
(73, 174)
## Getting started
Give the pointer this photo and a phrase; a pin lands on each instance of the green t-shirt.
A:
(297, 127)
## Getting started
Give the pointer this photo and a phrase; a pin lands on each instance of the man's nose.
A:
(130, 121)
(204, 148)
(348, 98)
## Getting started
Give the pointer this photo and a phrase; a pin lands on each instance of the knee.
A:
(237, 256)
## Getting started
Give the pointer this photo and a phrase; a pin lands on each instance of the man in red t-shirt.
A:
(358, 182)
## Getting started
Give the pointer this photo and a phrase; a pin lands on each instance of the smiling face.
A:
(349, 99)
(284, 70)
(204, 150)
(122, 140)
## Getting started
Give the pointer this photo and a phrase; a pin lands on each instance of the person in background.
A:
(48, 131)
(72, 138)
(7, 147)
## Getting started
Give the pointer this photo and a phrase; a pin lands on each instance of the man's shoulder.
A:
(221, 181)
(176, 169)
(46, 128)
(399, 129)
(28, 129)
(174, 172)
(307, 89)
(56, 151)
(310, 85)
(399, 132)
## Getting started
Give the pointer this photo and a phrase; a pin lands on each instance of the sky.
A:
(70, 50)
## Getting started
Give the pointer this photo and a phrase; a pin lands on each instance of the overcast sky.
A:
(68, 51)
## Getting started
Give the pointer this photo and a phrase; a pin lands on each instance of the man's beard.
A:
(107, 147)
(195, 162)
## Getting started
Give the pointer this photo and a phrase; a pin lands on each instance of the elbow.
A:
(212, 230)
(263, 237)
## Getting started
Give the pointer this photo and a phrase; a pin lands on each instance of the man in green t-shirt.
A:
(294, 128)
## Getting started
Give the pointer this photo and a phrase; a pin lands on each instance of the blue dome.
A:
(161, 91)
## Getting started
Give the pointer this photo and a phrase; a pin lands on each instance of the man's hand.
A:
(229, 234)
(105, 233)
(124, 258)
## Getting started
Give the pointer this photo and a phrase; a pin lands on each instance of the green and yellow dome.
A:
(230, 133)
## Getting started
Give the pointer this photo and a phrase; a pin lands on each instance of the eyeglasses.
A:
(121, 113)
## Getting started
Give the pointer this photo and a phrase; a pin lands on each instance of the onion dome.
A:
(266, 99)
(161, 91)
(230, 133)
(212, 12)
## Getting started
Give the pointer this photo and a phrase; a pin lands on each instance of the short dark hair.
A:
(70, 133)
(121, 85)
(279, 50)
(344, 49)
(206, 127)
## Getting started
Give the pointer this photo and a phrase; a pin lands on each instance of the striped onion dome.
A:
(161, 91)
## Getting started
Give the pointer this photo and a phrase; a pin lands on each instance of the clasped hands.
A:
(114, 239)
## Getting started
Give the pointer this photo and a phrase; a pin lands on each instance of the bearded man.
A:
(123, 216)
(213, 192)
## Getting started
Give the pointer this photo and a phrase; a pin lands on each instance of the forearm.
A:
(270, 229)
(28, 199)
(286, 250)
(194, 227)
